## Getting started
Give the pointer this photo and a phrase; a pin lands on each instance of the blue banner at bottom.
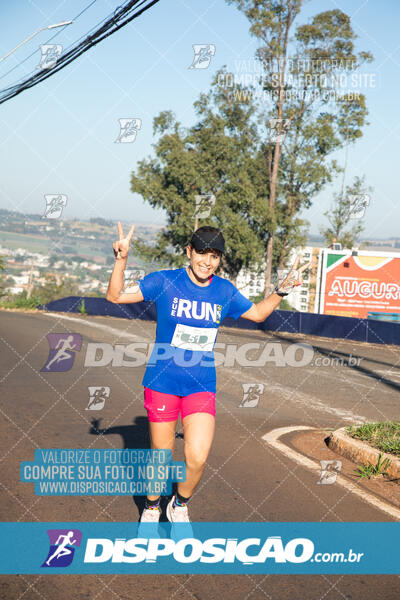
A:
(208, 548)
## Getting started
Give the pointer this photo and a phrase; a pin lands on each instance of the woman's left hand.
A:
(294, 277)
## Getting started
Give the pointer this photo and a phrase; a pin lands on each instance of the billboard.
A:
(352, 285)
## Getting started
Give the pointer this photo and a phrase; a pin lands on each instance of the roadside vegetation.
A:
(369, 470)
(384, 436)
(50, 290)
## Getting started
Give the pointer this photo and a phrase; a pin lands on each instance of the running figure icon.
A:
(62, 346)
(98, 397)
(62, 549)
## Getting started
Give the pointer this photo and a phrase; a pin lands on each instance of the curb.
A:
(361, 452)
(273, 439)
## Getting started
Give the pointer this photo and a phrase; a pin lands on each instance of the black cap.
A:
(206, 238)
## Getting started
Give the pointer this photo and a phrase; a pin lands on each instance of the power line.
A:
(121, 17)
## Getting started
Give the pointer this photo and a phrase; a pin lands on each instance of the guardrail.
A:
(362, 330)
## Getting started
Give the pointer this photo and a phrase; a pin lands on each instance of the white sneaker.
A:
(179, 517)
(151, 515)
(177, 514)
(148, 525)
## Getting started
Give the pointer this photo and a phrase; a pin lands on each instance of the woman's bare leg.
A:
(162, 437)
(198, 432)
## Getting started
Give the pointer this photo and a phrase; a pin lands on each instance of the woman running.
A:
(180, 376)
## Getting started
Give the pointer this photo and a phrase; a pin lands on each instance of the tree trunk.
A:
(268, 270)
(275, 166)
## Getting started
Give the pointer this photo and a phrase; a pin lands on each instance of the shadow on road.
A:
(134, 437)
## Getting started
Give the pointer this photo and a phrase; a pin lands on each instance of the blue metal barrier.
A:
(362, 330)
(101, 306)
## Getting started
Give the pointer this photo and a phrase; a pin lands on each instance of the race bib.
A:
(194, 338)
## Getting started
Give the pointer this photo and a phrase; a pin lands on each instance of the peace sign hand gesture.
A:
(121, 247)
(293, 278)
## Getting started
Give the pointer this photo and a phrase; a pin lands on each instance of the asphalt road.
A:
(326, 385)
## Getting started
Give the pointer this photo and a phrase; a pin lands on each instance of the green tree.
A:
(260, 181)
(349, 204)
(52, 290)
(219, 156)
(309, 116)
(101, 221)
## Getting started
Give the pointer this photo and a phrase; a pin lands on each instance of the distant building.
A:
(251, 283)
(21, 279)
(302, 298)
(17, 289)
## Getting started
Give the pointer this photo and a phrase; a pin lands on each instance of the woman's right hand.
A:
(121, 247)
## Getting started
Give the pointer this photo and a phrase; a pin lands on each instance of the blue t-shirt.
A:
(188, 318)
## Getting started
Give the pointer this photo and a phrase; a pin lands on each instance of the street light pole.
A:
(33, 35)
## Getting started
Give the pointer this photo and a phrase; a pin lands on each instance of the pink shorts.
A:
(165, 407)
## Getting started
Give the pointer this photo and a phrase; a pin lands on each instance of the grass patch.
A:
(21, 301)
(369, 470)
(82, 308)
(384, 436)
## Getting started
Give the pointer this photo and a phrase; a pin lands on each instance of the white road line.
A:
(272, 438)
(120, 334)
(389, 373)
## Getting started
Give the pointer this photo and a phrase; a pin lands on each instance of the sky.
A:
(60, 136)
